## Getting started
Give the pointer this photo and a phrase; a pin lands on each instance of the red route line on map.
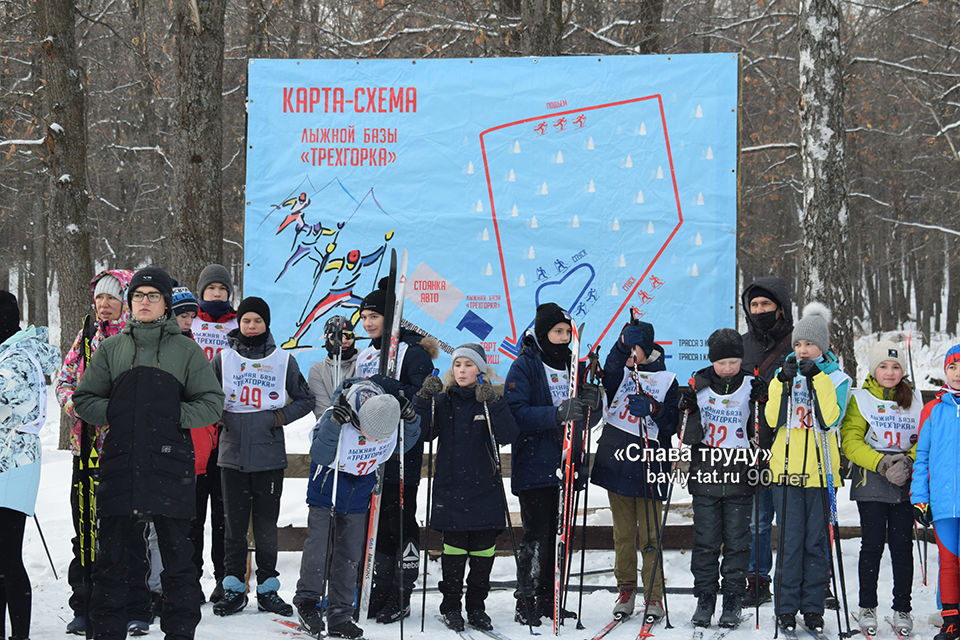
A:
(496, 226)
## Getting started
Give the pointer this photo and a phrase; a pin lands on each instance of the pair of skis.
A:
(566, 490)
(396, 285)
(699, 633)
(469, 631)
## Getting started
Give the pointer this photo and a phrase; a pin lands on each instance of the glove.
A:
(279, 418)
(341, 413)
(886, 462)
(432, 385)
(809, 368)
(387, 383)
(922, 514)
(907, 460)
(592, 396)
(788, 371)
(758, 390)
(487, 392)
(571, 409)
(642, 405)
(898, 473)
(688, 400)
(631, 336)
(407, 414)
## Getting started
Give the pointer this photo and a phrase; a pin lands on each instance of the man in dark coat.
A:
(149, 383)
(767, 342)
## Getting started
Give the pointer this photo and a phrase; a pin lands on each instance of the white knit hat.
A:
(883, 351)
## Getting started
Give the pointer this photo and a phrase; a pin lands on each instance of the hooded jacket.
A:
(320, 380)
(758, 344)
(866, 483)
(25, 357)
(149, 383)
(620, 474)
(936, 474)
(89, 337)
(467, 487)
(254, 441)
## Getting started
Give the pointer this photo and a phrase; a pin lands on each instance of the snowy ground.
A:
(50, 613)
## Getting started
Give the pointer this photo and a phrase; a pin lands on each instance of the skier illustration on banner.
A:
(308, 244)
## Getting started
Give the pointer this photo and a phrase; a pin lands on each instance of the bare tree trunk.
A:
(198, 212)
(823, 265)
(542, 20)
(66, 152)
(650, 13)
(38, 267)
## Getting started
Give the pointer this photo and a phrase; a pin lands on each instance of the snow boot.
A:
(345, 629)
(730, 613)
(217, 592)
(951, 618)
(452, 568)
(453, 620)
(234, 597)
(813, 621)
(269, 600)
(310, 616)
(867, 619)
(527, 613)
(903, 621)
(626, 601)
(138, 628)
(706, 602)
(78, 626)
(787, 621)
(478, 618)
(758, 591)
(393, 609)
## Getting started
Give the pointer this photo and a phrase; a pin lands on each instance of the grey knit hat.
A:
(814, 326)
(214, 273)
(474, 352)
(109, 285)
(377, 412)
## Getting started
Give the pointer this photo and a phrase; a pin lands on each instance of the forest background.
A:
(124, 129)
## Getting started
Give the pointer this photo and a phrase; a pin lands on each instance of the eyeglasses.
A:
(153, 296)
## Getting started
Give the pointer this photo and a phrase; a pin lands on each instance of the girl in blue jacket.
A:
(469, 419)
(935, 488)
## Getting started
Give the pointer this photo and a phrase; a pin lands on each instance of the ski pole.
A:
(828, 525)
(781, 530)
(666, 511)
(756, 502)
(503, 490)
(426, 549)
(593, 368)
(916, 529)
(831, 492)
(45, 548)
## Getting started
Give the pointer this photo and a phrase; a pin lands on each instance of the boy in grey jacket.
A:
(264, 392)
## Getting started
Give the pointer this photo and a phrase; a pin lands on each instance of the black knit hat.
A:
(376, 300)
(9, 315)
(548, 315)
(760, 292)
(152, 277)
(724, 343)
(256, 305)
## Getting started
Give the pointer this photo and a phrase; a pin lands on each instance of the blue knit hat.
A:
(184, 301)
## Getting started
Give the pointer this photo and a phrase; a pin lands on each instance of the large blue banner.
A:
(607, 185)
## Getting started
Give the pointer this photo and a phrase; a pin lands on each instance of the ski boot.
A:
(345, 629)
(138, 628)
(903, 621)
(626, 602)
(813, 622)
(787, 621)
(453, 620)
(269, 600)
(758, 591)
(234, 597)
(867, 619)
(310, 616)
(527, 613)
(478, 618)
(730, 614)
(951, 618)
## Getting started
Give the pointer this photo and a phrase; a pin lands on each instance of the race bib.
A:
(212, 336)
(890, 428)
(558, 381)
(360, 456)
(655, 384)
(254, 385)
(368, 360)
(802, 414)
(724, 417)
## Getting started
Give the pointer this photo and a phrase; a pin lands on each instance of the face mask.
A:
(764, 321)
